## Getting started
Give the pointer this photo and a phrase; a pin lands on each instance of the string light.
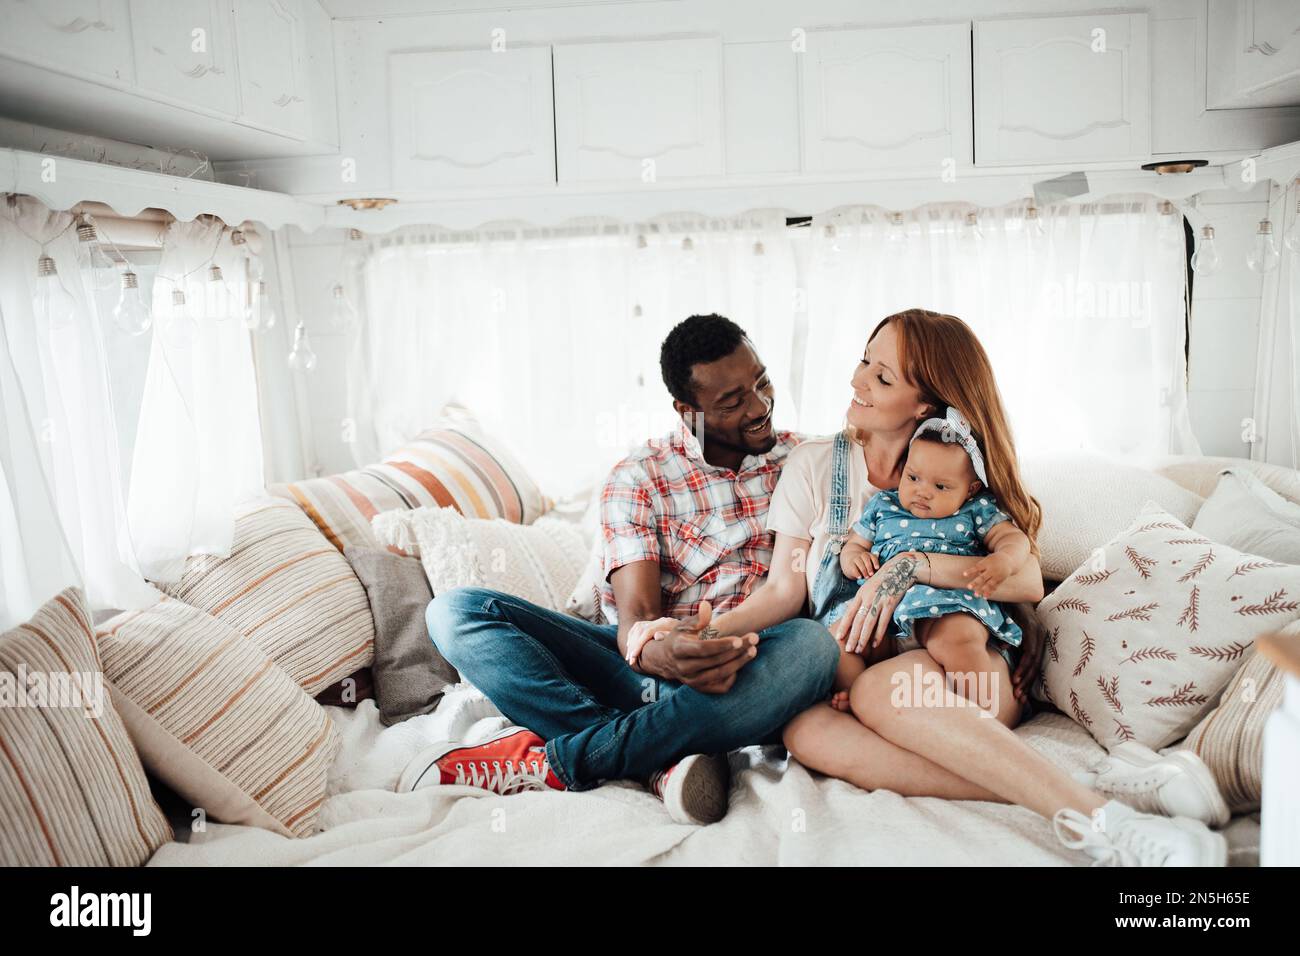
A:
(1205, 260)
(1263, 255)
(103, 270)
(131, 314)
(50, 300)
(301, 357)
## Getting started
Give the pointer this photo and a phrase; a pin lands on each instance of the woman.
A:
(916, 364)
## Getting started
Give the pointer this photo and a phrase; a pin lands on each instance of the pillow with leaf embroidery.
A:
(1141, 639)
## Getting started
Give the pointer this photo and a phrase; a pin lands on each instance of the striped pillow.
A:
(284, 587)
(1231, 737)
(216, 720)
(454, 466)
(72, 791)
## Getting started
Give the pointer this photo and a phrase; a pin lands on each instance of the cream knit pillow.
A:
(540, 562)
(1141, 642)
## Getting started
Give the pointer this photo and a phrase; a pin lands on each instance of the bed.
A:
(780, 813)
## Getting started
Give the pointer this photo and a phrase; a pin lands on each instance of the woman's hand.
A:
(866, 620)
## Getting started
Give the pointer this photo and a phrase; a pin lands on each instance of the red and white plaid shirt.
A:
(702, 523)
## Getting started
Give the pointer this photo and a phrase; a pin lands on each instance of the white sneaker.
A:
(1124, 837)
(694, 790)
(1176, 785)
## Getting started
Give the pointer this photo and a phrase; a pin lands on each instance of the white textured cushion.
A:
(1142, 639)
(1088, 499)
(1246, 514)
(540, 562)
(1200, 474)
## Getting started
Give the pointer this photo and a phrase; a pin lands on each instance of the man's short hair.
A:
(701, 338)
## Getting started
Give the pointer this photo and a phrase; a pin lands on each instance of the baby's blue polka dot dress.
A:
(892, 529)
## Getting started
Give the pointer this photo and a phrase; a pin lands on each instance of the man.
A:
(683, 521)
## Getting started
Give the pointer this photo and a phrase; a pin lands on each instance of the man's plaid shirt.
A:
(703, 524)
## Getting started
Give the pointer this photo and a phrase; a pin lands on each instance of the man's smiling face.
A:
(735, 395)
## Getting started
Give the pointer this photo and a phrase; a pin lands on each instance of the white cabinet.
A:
(638, 112)
(1062, 89)
(79, 36)
(272, 70)
(1253, 55)
(184, 50)
(887, 97)
(472, 118)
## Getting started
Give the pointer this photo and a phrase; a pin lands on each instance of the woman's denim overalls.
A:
(832, 591)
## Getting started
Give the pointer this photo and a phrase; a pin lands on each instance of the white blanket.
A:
(780, 813)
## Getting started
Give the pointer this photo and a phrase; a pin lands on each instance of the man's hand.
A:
(1031, 650)
(709, 666)
(987, 575)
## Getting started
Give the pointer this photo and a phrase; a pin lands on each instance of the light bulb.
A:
(1205, 260)
(131, 313)
(354, 251)
(103, 270)
(179, 328)
(1263, 255)
(831, 252)
(216, 296)
(897, 230)
(1034, 222)
(1292, 238)
(1168, 232)
(266, 307)
(50, 301)
(343, 316)
(302, 358)
(970, 228)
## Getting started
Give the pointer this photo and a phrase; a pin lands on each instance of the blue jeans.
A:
(564, 679)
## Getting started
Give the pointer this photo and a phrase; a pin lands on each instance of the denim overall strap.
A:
(831, 590)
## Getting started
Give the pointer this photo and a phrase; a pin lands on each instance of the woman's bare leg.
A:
(901, 702)
(834, 743)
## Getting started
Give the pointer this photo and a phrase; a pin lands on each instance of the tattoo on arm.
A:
(895, 580)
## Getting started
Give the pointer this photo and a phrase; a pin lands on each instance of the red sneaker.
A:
(694, 790)
(511, 762)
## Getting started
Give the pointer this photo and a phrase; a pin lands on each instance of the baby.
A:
(942, 506)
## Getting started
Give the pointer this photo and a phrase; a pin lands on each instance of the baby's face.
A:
(937, 479)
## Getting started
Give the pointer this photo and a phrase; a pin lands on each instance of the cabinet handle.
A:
(286, 98)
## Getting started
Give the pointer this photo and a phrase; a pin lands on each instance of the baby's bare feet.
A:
(840, 700)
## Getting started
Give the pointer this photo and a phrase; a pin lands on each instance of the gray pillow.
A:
(409, 672)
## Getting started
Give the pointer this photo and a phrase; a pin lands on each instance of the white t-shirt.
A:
(801, 501)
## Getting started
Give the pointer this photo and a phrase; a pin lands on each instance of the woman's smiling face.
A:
(882, 399)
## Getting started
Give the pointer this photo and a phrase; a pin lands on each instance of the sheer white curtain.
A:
(1277, 390)
(551, 337)
(62, 510)
(1081, 309)
(198, 448)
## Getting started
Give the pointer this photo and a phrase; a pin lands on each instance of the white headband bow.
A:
(954, 428)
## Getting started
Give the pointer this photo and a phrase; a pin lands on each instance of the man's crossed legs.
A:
(564, 680)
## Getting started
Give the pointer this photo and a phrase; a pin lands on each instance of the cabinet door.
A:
(887, 97)
(76, 36)
(472, 118)
(184, 50)
(272, 77)
(1253, 53)
(639, 111)
(1061, 89)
